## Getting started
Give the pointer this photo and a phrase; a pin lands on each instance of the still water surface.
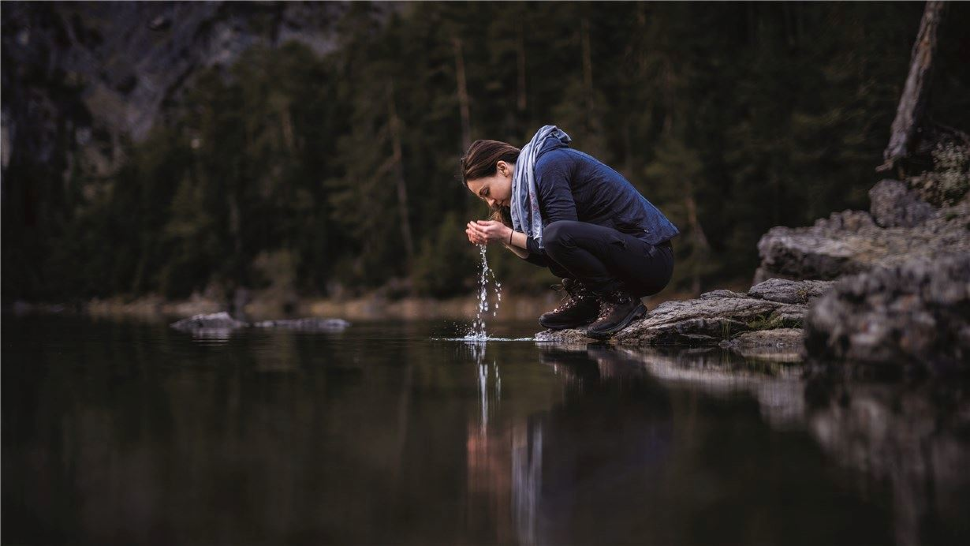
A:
(128, 433)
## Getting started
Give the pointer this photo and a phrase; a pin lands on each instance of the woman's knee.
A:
(556, 234)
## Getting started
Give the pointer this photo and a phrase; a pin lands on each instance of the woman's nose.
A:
(491, 203)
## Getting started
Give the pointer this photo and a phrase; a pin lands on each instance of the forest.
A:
(338, 175)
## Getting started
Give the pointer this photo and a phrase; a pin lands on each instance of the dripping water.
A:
(485, 276)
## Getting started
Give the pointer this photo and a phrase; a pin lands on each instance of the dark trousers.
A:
(605, 259)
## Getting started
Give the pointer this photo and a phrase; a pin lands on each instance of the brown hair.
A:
(482, 159)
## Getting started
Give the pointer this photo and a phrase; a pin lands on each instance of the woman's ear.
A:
(504, 168)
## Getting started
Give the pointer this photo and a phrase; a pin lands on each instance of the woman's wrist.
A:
(511, 233)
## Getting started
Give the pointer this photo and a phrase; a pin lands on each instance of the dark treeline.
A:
(339, 175)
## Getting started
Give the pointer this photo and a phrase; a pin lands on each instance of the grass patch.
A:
(762, 322)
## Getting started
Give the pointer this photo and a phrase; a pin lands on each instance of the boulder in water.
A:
(209, 322)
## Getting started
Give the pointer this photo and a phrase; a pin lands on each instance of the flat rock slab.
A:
(223, 322)
(852, 242)
(766, 320)
(788, 291)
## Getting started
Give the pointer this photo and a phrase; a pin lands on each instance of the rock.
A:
(716, 294)
(214, 321)
(306, 324)
(850, 242)
(710, 319)
(778, 345)
(714, 317)
(788, 291)
(818, 252)
(572, 336)
(222, 322)
(892, 204)
(918, 312)
(787, 338)
(788, 316)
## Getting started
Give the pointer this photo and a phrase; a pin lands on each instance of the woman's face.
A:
(496, 190)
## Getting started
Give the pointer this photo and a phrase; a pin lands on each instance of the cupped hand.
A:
(485, 231)
(474, 235)
(490, 230)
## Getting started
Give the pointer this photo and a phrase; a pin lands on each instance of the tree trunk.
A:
(394, 125)
(587, 74)
(912, 104)
(286, 122)
(463, 107)
(520, 47)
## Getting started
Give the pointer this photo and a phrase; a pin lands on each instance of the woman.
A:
(565, 210)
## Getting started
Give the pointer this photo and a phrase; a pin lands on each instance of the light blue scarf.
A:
(526, 215)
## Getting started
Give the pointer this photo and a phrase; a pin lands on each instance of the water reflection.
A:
(120, 433)
(212, 336)
(524, 472)
(911, 437)
(915, 437)
(574, 468)
(777, 386)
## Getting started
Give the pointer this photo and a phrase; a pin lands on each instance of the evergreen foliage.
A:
(731, 118)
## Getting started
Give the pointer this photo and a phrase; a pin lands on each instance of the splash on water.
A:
(486, 274)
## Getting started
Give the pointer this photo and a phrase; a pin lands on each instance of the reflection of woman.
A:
(563, 209)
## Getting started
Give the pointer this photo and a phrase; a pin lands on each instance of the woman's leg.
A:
(606, 260)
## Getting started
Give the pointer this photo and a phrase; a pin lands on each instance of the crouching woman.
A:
(565, 210)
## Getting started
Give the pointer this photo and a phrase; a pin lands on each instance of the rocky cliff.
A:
(80, 78)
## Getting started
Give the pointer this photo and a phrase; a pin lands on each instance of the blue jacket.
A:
(573, 185)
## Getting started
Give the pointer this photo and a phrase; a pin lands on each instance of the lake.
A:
(121, 432)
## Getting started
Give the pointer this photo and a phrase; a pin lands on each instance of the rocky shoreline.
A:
(764, 317)
(888, 286)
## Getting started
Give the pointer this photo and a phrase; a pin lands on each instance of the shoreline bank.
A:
(261, 307)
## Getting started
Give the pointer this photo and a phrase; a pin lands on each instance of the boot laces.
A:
(606, 307)
(609, 303)
(569, 297)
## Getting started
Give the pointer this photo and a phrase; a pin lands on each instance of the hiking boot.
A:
(578, 309)
(617, 311)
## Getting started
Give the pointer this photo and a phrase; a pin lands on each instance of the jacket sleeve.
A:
(536, 257)
(555, 197)
(552, 184)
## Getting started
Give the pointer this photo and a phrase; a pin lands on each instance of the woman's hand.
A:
(473, 235)
(486, 231)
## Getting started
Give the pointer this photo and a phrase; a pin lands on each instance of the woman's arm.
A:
(518, 246)
(486, 231)
(482, 232)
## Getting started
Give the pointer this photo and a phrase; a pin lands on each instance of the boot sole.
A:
(637, 313)
(552, 326)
